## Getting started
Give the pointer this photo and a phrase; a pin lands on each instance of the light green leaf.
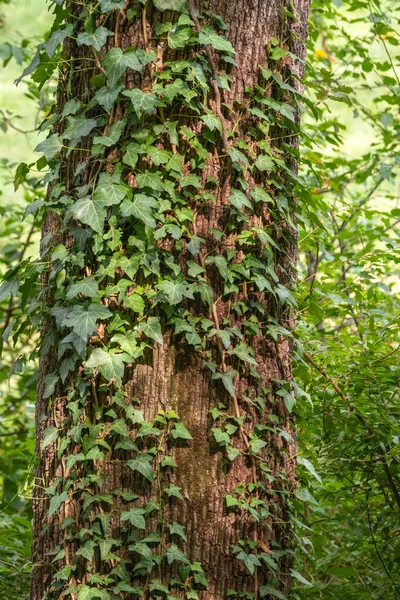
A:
(268, 590)
(158, 156)
(83, 319)
(112, 136)
(179, 36)
(243, 352)
(150, 180)
(87, 287)
(257, 445)
(135, 303)
(56, 502)
(50, 435)
(152, 328)
(111, 365)
(97, 39)
(143, 102)
(227, 379)
(239, 199)
(179, 431)
(135, 517)
(108, 192)
(142, 464)
(173, 290)
(109, 5)
(209, 36)
(119, 427)
(128, 343)
(50, 146)
(264, 163)
(116, 62)
(79, 127)
(178, 5)
(141, 207)
(309, 466)
(260, 195)
(176, 529)
(131, 156)
(174, 554)
(91, 212)
(221, 437)
(107, 95)
(300, 578)
(57, 38)
(85, 593)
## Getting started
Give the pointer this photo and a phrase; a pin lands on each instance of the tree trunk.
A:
(188, 441)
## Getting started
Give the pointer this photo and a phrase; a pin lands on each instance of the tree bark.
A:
(172, 376)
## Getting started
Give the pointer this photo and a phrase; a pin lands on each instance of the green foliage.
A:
(347, 526)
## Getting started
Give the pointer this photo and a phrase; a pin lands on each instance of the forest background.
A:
(347, 303)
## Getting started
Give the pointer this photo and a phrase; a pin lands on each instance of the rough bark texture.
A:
(172, 376)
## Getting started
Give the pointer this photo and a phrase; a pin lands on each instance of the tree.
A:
(164, 434)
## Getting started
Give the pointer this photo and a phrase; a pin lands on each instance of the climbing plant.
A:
(169, 222)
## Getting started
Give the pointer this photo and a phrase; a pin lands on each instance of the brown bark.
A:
(172, 376)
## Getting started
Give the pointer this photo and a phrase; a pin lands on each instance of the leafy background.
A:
(347, 371)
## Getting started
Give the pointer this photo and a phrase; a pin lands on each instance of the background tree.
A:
(166, 456)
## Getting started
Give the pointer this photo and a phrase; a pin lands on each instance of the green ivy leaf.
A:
(87, 287)
(260, 195)
(209, 36)
(55, 503)
(174, 490)
(112, 136)
(57, 38)
(257, 445)
(268, 590)
(109, 191)
(50, 435)
(239, 199)
(158, 156)
(173, 290)
(143, 102)
(176, 529)
(135, 303)
(179, 431)
(141, 207)
(243, 352)
(130, 157)
(111, 365)
(50, 146)
(174, 554)
(177, 5)
(227, 380)
(107, 95)
(142, 464)
(119, 427)
(83, 319)
(128, 343)
(116, 62)
(178, 37)
(152, 328)
(97, 39)
(135, 517)
(221, 437)
(90, 211)
(79, 127)
(264, 163)
(109, 5)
